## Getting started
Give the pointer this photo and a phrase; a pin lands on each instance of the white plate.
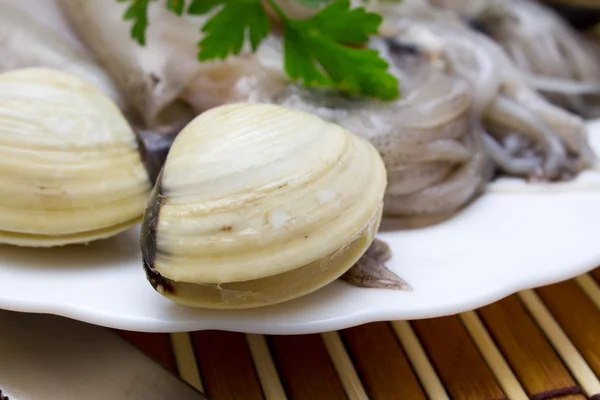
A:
(514, 237)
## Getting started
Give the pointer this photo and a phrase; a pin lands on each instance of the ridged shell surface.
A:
(70, 170)
(250, 191)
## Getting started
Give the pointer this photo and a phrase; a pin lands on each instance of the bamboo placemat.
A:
(538, 344)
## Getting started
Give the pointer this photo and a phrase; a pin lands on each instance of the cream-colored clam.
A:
(258, 204)
(70, 170)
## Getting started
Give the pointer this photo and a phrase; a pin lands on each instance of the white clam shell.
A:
(251, 191)
(70, 170)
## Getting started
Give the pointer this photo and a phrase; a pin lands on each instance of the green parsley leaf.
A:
(225, 32)
(176, 6)
(201, 7)
(315, 53)
(138, 13)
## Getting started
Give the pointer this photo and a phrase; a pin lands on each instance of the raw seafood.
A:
(433, 154)
(146, 76)
(551, 142)
(370, 270)
(434, 158)
(25, 42)
(259, 204)
(557, 60)
(153, 76)
(70, 169)
(556, 144)
(157, 77)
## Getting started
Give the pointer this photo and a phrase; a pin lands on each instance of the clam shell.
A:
(259, 204)
(70, 169)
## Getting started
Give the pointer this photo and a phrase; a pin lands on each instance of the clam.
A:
(258, 204)
(72, 169)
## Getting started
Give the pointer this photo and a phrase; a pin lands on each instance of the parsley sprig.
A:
(325, 50)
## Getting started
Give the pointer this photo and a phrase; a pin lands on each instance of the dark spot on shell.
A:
(227, 228)
(306, 237)
(283, 185)
(148, 239)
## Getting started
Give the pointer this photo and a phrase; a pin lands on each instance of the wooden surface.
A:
(538, 344)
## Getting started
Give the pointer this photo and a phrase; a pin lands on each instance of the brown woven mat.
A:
(538, 344)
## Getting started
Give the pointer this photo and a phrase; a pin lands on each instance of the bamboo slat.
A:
(504, 375)
(456, 359)
(568, 352)
(418, 358)
(525, 348)
(381, 363)
(265, 367)
(590, 287)
(305, 368)
(344, 367)
(226, 366)
(578, 316)
(183, 353)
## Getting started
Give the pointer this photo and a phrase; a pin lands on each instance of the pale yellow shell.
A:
(70, 170)
(256, 195)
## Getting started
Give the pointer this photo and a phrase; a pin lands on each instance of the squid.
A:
(523, 133)
(27, 42)
(556, 60)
